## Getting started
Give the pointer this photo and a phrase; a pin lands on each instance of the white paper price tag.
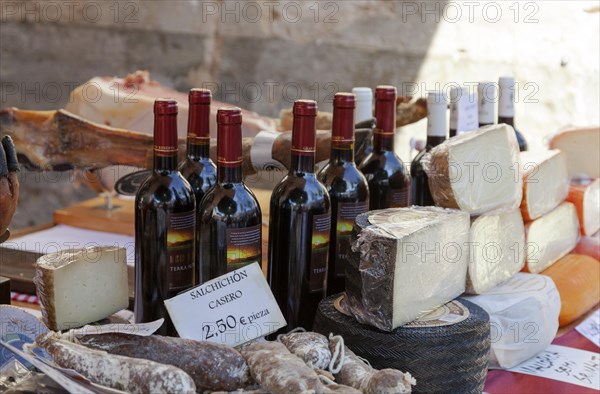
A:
(590, 328)
(232, 309)
(468, 115)
(565, 364)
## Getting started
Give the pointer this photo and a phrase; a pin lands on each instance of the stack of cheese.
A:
(479, 173)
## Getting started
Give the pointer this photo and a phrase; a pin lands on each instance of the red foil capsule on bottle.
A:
(165, 127)
(199, 116)
(229, 137)
(304, 127)
(342, 133)
(385, 110)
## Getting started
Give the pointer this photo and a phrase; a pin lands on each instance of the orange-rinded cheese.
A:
(551, 237)
(545, 182)
(576, 278)
(585, 194)
(582, 147)
(589, 246)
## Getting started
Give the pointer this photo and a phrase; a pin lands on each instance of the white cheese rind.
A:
(476, 172)
(545, 182)
(551, 237)
(497, 249)
(77, 287)
(406, 262)
(582, 148)
(524, 314)
(591, 208)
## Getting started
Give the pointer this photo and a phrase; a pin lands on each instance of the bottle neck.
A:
(509, 120)
(196, 151)
(342, 153)
(302, 164)
(165, 163)
(433, 141)
(165, 142)
(229, 174)
(382, 142)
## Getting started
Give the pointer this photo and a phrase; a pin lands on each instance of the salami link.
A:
(311, 347)
(213, 367)
(118, 372)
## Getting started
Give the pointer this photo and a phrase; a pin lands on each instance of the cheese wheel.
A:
(582, 147)
(576, 278)
(585, 195)
(545, 182)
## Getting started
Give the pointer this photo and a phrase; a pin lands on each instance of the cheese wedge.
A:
(576, 278)
(81, 286)
(406, 262)
(582, 148)
(497, 249)
(551, 237)
(545, 182)
(476, 172)
(585, 194)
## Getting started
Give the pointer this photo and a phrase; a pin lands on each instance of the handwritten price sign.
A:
(565, 364)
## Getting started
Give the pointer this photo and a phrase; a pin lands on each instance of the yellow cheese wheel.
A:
(576, 278)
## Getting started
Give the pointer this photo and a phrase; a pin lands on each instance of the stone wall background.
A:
(263, 55)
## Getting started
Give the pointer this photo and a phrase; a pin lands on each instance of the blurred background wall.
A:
(264, 55)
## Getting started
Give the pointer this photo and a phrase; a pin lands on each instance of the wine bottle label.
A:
(180, 251)
(347, 212)
(487, 95)
(399, 197)
(506, 106)
(319, 252)
(244, 246)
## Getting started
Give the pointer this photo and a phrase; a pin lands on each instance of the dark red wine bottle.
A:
(229, 216)
(347, 188)
(506, 108)
(165, 226)
(299, 227)
(437, 128)
(487, 96)
(388, 178)
(197, 168)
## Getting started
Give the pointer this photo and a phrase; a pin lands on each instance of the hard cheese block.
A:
(81, 286)
(523, 317)
(545, 182)
(551, 237)
(585, 194)
(582, 147)
(405, 262)
(576, 278)
(476, 172)
(497, 249)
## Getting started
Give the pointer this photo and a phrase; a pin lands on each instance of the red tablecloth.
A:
(502, 382)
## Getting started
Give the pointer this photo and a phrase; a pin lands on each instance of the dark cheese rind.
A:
(370, 296)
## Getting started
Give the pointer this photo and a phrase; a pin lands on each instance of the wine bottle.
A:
(347, 189)
(197, 168)
(506, 108)
(165, 226)
(229, 216)
(363, 113)
(299, 227)
(388, 178)
(487, 95)
(437, 127)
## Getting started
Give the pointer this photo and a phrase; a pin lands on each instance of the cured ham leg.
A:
(60, 140)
